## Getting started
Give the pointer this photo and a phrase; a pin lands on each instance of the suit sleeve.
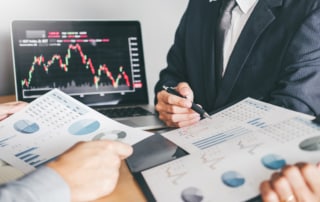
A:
(298, 86)
(174, 72)
(44, 184)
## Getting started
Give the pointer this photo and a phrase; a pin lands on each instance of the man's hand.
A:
(91, 169)
(9, 108)
(294, 183)
(174, 110)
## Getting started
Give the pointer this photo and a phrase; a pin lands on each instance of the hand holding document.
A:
(230, 154)
(50, 125)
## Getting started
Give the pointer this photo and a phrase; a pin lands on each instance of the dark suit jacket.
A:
(277, 56)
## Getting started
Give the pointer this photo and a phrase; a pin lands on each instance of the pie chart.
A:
(310, 144)
(111, 135)
(84, 127)
(273, 161)
(191, 194)
(26, 126)
(232, 179)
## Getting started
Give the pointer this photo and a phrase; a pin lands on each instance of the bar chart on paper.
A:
(31, 157)
(4, 141)
(218, 138)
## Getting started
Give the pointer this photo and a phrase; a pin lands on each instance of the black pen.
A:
(194, 106)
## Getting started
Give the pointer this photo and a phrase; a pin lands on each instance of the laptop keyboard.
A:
(125, 112)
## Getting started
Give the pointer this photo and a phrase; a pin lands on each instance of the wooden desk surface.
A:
(7, 98)
(127, 189)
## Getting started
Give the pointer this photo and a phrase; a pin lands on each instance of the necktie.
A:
(224, 23)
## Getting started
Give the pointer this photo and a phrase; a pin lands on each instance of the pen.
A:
(194, 106)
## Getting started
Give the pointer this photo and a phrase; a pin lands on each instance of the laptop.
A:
(100, 63)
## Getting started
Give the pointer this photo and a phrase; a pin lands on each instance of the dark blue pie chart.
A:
(232, 179)
(273, 161)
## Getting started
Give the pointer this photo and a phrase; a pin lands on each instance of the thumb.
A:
(122, 149)
(184, 89)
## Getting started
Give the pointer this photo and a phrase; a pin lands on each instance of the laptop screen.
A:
(96, 62)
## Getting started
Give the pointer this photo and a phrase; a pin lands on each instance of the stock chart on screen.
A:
(79, 57)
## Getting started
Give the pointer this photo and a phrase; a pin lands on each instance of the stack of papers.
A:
(232, 153)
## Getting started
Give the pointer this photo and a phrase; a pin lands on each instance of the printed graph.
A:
(273, 161)
(26, 126)
(84, 127)
(233, 179)
(220, 137)
(31, 157)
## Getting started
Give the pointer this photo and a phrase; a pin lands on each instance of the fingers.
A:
(167, 101)
(186, 120)
(310, 177)
(91, 169)
(122, 149)
(294, 183)
(176, 111)
(282, 187)
(184, 89)
(174, 115)
(9, 108)
(267, 193)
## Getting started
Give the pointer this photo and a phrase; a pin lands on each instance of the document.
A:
(50, 125)
(232, 153)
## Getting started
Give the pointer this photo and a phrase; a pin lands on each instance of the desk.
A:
(126, 190)
(7, 98)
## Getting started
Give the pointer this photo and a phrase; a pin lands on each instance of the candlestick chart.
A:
(76, 68)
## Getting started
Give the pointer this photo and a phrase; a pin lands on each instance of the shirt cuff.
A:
(43, 184)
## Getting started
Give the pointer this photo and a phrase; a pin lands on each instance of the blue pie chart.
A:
(26, 126)
(273, 161)
(232, 179)
(84, 127)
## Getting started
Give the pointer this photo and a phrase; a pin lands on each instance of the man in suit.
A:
(273, 54)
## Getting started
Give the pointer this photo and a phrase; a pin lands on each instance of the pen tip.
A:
(206, 115)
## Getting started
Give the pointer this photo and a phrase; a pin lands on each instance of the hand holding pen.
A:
(174, 110)
(194, 106)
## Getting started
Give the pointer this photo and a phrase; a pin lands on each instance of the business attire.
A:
(276, 56)
(42, 185)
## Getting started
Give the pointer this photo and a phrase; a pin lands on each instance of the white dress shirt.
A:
(240, 15)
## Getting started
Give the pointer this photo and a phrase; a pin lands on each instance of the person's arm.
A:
(298, 85)
(41, 185)
(173, 110)
(300, 182)
(87, 171)
(9, 108)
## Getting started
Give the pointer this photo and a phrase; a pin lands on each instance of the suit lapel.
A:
(243, 48)
(209, 24)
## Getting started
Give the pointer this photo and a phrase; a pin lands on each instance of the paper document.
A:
(230, 154)
(53, 123)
